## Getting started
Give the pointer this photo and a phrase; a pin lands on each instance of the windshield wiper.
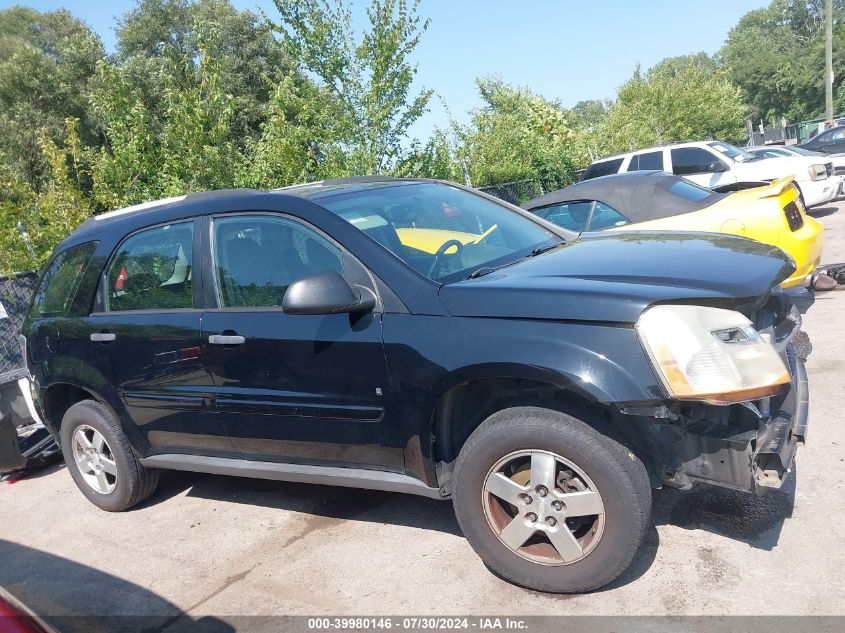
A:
(542, 249)
(486, 270)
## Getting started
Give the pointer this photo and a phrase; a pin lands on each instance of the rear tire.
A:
(101, 460)
(577, 500)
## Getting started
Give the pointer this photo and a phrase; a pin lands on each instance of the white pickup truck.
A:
(724, 167)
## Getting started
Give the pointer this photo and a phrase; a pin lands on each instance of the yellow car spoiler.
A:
(776, 187)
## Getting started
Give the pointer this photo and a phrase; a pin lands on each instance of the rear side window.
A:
(690, 191)
(691, 160)
(649, 160)
(569, 215)
(61, 280)
(605, 217)
(151, 270)
(604, 168)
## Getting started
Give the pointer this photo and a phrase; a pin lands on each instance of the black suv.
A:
(417, 336)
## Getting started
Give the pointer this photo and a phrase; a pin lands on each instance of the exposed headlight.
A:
(818, 172)
(710, 354)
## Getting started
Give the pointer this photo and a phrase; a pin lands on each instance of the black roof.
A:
(169, 208)
(325, 188)
(640, 196)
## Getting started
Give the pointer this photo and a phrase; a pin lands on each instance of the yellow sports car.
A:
(654, 200)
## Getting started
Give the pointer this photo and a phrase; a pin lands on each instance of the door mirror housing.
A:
(326, 293)
(717, 167)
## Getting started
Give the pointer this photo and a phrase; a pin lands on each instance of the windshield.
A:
(769, 153)
(442, 232)
(733, 152)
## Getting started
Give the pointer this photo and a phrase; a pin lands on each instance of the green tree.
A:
(436, 158)
(160, 38)
(776, 56)
(589, 114)
(48, 216)
(676, 100)
(300, 141)
(46, 61)
(190, 147)
(370, 74)
(518, 135)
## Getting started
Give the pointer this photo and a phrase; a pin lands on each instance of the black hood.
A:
(612, 277)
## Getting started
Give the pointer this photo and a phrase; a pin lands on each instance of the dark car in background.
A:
(828, 142)
(313, 334)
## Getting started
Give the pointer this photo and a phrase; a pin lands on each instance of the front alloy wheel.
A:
(550, 501)
(543, 507)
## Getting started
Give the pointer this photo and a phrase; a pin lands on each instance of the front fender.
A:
(428, 355)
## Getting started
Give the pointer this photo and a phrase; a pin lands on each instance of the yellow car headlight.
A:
(710, 354)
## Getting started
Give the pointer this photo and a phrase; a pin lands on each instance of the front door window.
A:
(257, 257)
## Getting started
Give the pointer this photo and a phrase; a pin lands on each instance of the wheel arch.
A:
(469, 399)
(56, 398)
(468, 396)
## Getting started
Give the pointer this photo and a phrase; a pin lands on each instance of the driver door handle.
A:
(226, 339)
(103, 337)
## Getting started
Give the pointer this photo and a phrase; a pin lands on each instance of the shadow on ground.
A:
(73, 597)
(820, 212)
(742, 516)
(13, 478)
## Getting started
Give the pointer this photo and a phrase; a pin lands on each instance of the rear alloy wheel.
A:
(94, 459)
(543, 507)
(550, 503)
(100, 459)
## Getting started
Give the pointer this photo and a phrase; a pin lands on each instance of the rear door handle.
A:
(103, 337)
(226, 339)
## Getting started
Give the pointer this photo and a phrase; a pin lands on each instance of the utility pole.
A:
(828, 60)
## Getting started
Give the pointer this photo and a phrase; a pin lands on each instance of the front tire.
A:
(100, 459)
(548, 502)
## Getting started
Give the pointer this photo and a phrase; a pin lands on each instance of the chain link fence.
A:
(519, 191)
(15, 292)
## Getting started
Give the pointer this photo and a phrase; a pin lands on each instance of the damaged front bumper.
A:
(747, 446)
(743, 446)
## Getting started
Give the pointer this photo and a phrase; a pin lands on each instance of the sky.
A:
(566, 50)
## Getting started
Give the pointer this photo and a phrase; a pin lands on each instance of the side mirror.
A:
(717, 166)
(325, 293)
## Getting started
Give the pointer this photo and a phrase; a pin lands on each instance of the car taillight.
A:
(794, 218)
